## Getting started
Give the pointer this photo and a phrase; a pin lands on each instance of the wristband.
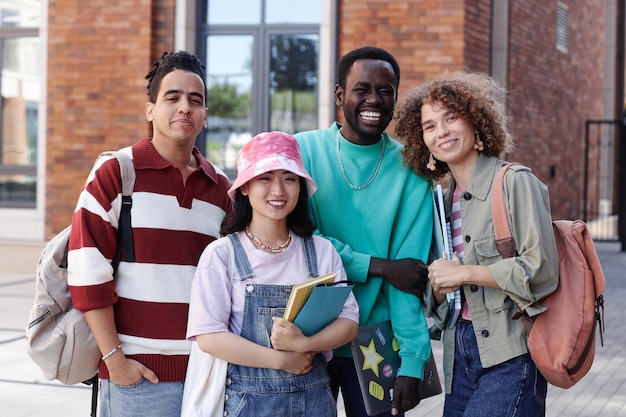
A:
(112, 352)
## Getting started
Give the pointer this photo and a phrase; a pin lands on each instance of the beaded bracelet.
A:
(108, 355)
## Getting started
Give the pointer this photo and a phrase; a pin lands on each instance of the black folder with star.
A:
(375, 353)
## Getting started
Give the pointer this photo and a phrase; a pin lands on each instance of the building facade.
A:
(72, 80)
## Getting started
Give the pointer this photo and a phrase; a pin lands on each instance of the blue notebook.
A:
(323, 306)
(442, 246)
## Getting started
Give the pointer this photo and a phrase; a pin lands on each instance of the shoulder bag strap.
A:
(124, 238)
(504, 241)
(124, 229)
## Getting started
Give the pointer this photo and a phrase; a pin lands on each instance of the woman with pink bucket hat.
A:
(243, 282)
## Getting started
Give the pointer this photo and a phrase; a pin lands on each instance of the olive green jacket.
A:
(523, 279)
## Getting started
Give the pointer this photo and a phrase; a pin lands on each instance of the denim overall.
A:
(262, 392)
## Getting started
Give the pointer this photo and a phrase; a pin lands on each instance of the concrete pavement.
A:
(24, 392)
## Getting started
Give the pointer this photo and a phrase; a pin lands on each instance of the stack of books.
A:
(443, 243)
(317, 302)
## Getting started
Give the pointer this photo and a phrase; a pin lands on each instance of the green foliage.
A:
(225, 101)
(294, 63)
(306, 101)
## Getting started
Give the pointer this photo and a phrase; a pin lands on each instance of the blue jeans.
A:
(142, 399)
(511, 389)
(343, 376)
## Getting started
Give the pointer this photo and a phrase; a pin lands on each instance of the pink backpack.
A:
(561, 340)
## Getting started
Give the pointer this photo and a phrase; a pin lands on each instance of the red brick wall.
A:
(99, 52)
(477, 35)
(162, 36)
(98, 55)
(553, 93)
(424, 36)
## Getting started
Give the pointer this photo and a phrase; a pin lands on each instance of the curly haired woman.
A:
(456, 125)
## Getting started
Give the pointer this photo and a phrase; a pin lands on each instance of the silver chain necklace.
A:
(345, 177)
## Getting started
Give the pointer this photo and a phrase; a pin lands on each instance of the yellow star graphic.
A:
(371, 358)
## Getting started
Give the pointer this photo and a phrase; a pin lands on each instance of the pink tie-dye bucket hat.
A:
(266, 152)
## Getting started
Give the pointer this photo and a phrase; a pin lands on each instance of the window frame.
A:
(15, 169)
(562, 27)
(325, 31)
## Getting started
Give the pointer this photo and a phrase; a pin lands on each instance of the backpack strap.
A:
(124, 238)
(124, 230)
(94, 382)
(504, 241)
(128, 184)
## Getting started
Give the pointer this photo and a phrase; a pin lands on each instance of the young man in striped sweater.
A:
(139, 317)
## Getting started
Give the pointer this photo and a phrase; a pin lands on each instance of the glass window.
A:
(23, 14)
(561, 26)
(230, 12)
(293, 82)
(229, 98)
(262, 71)
(290, 11)
(19, 100)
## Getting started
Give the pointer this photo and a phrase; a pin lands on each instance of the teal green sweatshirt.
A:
(392, 218)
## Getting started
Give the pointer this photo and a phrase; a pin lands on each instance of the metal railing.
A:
(601, 185)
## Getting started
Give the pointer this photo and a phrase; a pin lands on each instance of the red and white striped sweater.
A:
(172, 223)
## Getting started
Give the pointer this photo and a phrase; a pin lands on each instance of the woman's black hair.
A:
(299, 220)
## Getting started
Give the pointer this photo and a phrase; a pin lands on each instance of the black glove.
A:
(406, 394)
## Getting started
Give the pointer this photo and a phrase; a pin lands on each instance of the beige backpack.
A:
(59, 340)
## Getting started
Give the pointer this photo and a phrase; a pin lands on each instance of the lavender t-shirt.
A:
(217, 303)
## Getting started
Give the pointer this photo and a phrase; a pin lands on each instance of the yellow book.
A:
(300, 293)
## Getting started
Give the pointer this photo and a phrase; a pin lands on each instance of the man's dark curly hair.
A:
(169, 62)
(366, 52)
(474, 97)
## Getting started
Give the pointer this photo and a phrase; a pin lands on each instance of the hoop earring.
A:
(431, 163)
(479, 143)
